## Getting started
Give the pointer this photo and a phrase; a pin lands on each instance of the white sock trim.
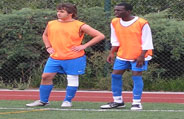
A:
(136, 101)
(118, 99)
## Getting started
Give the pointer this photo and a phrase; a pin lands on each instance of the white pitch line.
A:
(90, 110)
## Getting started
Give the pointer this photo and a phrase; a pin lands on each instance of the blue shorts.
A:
(71, 67)
(122, 65)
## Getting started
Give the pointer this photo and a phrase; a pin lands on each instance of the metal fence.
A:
(22, 61)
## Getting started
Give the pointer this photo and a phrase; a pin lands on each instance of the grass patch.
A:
(88, 110)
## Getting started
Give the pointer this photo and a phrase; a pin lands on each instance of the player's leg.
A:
(51, 68)
(117, 84)
(72, 86)
(137, 90)
(73, 68)
(45, 90)
(46, 86)
(138, 85)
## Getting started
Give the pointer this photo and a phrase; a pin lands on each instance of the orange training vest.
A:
(130, 39)
(64, 36)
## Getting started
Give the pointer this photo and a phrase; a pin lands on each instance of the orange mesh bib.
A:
(64, 36)
(130, 39)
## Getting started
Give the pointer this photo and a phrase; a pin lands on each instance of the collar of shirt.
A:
(128, 23)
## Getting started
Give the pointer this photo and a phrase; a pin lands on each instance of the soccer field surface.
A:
(86, 105)
(13, 109)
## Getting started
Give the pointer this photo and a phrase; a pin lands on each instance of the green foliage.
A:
(86, 3)
(149, 6)
(97, 74)
(167, 85)
(20, 41)
(21, 85)
(60, 81)
(91, 17)
(168, 42)
(127, 81)
(2, 84)
(167, 34)
(35, 77)
(177, 10)
(141, 7)
(6, 6)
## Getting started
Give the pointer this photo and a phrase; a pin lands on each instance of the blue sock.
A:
(116, 84)
(70, 93)
(45, 91)
(138, 87)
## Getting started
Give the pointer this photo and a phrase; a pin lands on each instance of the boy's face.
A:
(120, 11)
(63, 14)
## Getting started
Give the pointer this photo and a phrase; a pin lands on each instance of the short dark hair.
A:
(70, 8)
(126, 5)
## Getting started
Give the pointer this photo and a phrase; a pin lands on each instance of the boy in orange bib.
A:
(63, 41)
(132, 40)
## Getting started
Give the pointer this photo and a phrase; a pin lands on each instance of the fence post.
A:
(107, 9)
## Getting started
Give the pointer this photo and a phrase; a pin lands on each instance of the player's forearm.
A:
(114, 49)
(143, 53)
(95, 40)
(46, 41)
